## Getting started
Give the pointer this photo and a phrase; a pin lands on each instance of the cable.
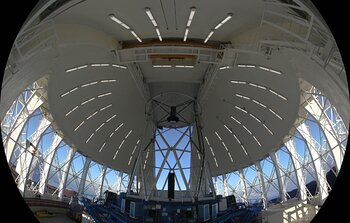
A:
(166, 22)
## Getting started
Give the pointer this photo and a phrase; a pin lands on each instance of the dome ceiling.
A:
(249, 107)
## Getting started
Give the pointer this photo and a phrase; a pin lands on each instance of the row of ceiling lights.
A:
(228, 17)
(115, 19)
(253, 66)
(154, 22)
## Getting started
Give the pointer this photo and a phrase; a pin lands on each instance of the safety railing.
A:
(298, 27)
(28, 44)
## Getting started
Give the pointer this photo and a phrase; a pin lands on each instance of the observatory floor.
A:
(59, 218)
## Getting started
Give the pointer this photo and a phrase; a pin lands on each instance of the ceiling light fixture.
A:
(189, 21)
(238, 82)
(136, 36)
(270, 70)
(158, 33)
(100, 65)
(89, 84)
(184, 66)
(225, 67)
(246, 65)
(119, 66)
(190, 18)
(229, 16)
(107, 81)
(161, 66)
(186, 34)
(68, 92)
(76, 68)
(150, 16)
(115, 19)
(209, 35)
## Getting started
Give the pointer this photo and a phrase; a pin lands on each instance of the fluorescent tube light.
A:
(186, 34)
(135, 35)
(246, 65)
(270, 70)
(157, 66)
(119, 66)
(115, 19)
(184, 66)
(190, 18)
(225, 67)
(209, 35)
(150, 16)
(229, 16)
(158, 33)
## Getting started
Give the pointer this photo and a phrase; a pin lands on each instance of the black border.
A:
(13, 205)
(335, 14)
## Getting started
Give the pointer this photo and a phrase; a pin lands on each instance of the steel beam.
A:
(137, 75)
(282, 187)
(201, 150)
(25, 165)
(175, 154)
(83, 176)
(102, 179)
(315, 109)
(208, 80)
(144, 54)
(63, 181)
(262, 181)
(298, 169)
(316, 161)
(138, 169)
(224, 180)
(48, 162)
(119, 181)
(244, 186)
(34, 103)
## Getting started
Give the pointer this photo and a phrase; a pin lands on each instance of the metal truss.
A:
(48, 162)
(262, 182)
(137, 75)
(165, 164)
(29, 155)
(335, 138)
(13, 135)
(93, 180)
(74, 174)
(244, 186)
(211, 71)
(63, 182)
(161, 145)
(281, 185)
(143, 54)
(270, 180)
(29, 43)
(84, 173)
(7, 123)
(298, 169)
(101, 177)
(301, 28)
(316, 156)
